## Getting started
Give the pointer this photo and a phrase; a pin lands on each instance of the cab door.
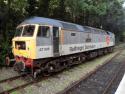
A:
(56, 41)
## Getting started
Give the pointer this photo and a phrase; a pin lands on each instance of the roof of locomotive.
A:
(53, 22)
(62, 24)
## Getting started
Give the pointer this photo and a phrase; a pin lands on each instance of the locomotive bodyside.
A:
(75, 42)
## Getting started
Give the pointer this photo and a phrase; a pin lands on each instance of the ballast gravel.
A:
(7, 73)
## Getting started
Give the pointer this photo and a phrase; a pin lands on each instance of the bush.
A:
(5, 50)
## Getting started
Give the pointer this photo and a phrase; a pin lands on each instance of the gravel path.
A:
(98, 81)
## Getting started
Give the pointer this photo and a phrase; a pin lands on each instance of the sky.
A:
(124, 5)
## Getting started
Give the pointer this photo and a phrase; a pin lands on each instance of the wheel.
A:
(50, 68)
(36, 73)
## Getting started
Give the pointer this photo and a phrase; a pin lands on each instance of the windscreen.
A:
(28, 30)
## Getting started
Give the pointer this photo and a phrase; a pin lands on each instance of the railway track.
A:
(7, 91)
(12, 78)
(105, 89)
(33, 81)
(16, 88)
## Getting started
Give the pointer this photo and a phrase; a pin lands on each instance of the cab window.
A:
(28, 30)
(43, 31)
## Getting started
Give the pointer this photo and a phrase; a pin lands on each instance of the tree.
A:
(31, 7)
(75, 7)
(43, 8)
(12, 12)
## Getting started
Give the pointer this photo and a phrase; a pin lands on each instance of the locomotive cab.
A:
(34, 41)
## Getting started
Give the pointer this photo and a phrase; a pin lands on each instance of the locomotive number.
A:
(43, 49)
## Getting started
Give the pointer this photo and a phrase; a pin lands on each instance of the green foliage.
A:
(6, 48)
(74, 7)
(53, 5)
(108, 14)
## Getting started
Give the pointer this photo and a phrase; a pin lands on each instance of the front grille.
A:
(20, 45)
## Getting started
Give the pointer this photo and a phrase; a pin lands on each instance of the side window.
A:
(43, 31)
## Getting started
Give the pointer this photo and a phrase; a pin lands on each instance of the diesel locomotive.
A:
(43, 45)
